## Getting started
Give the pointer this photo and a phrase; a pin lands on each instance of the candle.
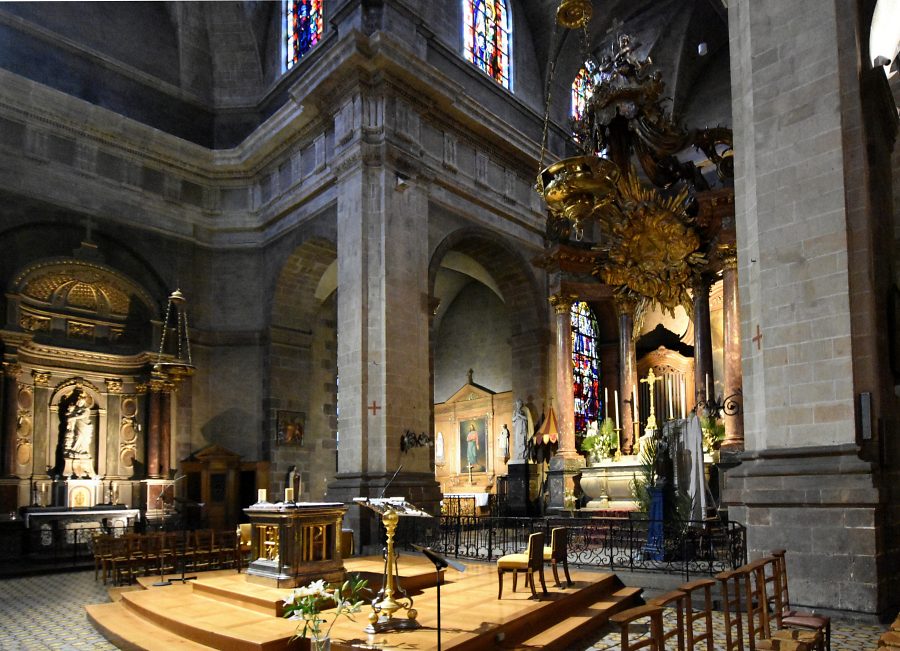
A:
(261, 495)
(616, 397)
(707, 387)
(606, 401)
(634, 410)
(289, 494)
(683, 404)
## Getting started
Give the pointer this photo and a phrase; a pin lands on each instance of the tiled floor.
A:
(47, 612)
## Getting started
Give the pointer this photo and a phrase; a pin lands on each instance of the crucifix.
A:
(650, 380)
(758, 338)
(374, 407)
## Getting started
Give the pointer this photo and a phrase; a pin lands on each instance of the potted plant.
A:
(306, 604)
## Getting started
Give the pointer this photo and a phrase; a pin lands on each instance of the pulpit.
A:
(292, 544)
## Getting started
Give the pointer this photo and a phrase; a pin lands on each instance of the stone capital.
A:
(41, 378)
(625, 305)
(728, 255)
(562, 303)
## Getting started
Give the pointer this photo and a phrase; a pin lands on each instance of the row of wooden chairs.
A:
(755, 594)
(124, 558)
(532, 560)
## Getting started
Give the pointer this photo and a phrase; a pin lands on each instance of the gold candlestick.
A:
(650, 380)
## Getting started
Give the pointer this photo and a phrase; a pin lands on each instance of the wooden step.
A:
(580, 623)
(131, 632)
(210, 622)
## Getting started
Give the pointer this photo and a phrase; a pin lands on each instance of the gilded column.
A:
(157, 384)
(703, 362)
(165, 431)
(565, 376)
(733, 380)
(10, 411)
(628, 399)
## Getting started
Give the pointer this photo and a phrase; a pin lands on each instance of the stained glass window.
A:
(582, 89)
(487, 33)
(302, 29)
(586, 366)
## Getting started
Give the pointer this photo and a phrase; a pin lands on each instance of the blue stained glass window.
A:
(487, 37)
(582, 89)
(586, 366)
(303, 27)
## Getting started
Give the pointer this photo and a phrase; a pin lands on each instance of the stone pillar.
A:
(10, 409)
(153, 431)
(42, 423)
(383, 317)
(628, 397)
(566, 463)
(734, 414)
(703, 361)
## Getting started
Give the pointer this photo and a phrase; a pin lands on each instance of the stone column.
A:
(10, 409)
(628, 398)
(383, 317)
(733, 380)
(43, 456)
(566, 463)
(703, 362)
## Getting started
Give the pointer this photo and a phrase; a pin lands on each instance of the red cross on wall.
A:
(758, 338)
(374, 407)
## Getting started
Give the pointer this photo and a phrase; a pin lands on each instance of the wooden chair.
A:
(201, 549)
(245, 530)
(226, 549)
(151, 553)
(558, 552)
(654, 641)
(102, 548)
(118, 559)
(730, 585)
(759, 631)
(691, 616)
(677, 600)
(530, 562)
(787, 617)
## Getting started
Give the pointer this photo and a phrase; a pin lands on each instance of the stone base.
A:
(563, 471)
(520, 475)
(821, 505)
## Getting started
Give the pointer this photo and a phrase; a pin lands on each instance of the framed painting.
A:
(473, 444)
(290, 427)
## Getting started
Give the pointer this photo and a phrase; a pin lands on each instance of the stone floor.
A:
(47, 612)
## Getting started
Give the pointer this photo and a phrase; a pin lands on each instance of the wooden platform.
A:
(221, 610)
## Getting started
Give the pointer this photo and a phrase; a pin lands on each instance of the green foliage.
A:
(603, 441)
(713, 433)
(639, 484)
(306, 605)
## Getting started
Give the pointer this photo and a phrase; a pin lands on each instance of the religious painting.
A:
(473, 445)
(290, 427)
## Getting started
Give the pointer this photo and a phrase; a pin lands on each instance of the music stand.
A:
(440, 562)
(385, 604)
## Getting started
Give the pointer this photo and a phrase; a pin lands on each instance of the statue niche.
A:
(77, 426)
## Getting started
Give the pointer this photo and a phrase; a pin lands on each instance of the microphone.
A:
(391, 480)
(439, 560)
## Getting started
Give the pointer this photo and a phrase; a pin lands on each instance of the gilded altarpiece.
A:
(77, 343)
(469, 452)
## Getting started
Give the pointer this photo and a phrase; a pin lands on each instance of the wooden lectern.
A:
(294, 543)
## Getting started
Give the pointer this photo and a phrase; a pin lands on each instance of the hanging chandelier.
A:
(176, 365)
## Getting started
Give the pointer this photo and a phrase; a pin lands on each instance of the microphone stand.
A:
(440, 562)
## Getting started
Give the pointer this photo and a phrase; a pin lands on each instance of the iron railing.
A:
(637, 544)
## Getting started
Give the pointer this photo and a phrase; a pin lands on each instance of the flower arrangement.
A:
(306, 604)
(601, 441)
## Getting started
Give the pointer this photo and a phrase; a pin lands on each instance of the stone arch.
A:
(521, 294)
(302, 369)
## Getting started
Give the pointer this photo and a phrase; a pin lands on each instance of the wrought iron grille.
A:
(688, 548)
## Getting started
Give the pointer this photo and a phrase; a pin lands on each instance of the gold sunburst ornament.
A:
(574, 14)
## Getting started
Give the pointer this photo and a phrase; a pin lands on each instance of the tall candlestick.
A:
(707, 387)
(606, 402)
(634, 409)
(683, 398)
(616, 394)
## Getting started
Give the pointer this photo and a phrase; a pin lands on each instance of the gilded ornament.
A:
(562, 303)
(41, 378)
(574, 14)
